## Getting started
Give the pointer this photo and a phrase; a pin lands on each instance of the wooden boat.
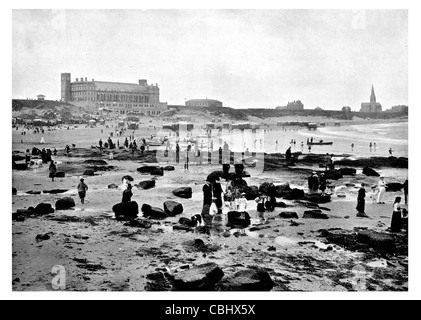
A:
(320, 143)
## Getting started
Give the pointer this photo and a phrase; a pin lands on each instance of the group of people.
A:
(316, 183)
(399, 215)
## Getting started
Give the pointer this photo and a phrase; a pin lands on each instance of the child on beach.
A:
(81, 188)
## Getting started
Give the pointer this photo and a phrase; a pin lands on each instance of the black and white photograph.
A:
(209, 150)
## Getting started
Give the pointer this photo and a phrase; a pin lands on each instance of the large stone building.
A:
(121, 98)
(372, 106)
(203, 103)
(295, 105)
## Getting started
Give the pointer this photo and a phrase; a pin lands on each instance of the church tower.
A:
(373, 95)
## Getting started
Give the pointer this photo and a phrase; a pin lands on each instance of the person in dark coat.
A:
(207, 193)
(405, 190)
(396, 223)
(52, 169)
(127, 194)
(217, 193)
(361, 202)
(288, 154)
(322, 181)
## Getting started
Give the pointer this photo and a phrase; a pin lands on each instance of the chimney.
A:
(93, 79)
(77, 80)
(86, 79)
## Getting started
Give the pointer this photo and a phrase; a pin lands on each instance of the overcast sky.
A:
(244, 58)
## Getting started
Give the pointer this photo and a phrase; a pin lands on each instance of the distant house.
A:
(295, 105)
(203, 103)
(400, 108)
(41, 97)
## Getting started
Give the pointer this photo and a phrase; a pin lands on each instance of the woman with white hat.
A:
(382, 190)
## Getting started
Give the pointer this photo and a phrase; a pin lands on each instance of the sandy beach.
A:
(100, 253)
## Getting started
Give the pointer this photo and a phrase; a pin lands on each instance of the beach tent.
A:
(121, 123)
(92, 123)
(133, 125)
(312, 125)
(210, 125)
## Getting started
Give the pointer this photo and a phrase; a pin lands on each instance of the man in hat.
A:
(217, 193)
(361, 202)
(207, 193)
(81, 188)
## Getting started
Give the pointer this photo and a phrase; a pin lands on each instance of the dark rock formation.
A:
(370, 172)
(153, 212)
(288, 215)
(183, 192)
(173, 208)
(148, 184)
(65, 203)
(43, 208)
(126, 210)
(200, 278)
(238, 219)
(247, 280)
(315, 214)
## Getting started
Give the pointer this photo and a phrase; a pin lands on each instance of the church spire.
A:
(373, 95)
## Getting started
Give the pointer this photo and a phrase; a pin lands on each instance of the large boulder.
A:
(14, 191)
(43, 208)
(148, 184)
(333, 174)
(315, 214)
(147, 169)
(267, 188)
(247, 280)
(60, 174)
(376, 240)
(33, 192)
(238, 219)
(200, 278)
(55, 191)
(394, 187)
(65, 203)
(158, 171)
(288, 215)
(19, 166)
(169, 168)
(17, 157)
(186, 222)
(173, 208)
(127, 210)
(348, 171)
(295, 194)
(153, 212)
(282, 190)
(317, 198)
(252, 192)
(89, 172)
(98, 162)
(183, 192)
(370, 172)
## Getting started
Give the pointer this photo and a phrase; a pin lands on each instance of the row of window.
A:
(149, 112)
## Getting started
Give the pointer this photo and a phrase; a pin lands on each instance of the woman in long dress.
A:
(382, 190)
(396, 223)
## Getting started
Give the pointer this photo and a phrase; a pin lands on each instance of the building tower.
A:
(65, 87)
(373, 99)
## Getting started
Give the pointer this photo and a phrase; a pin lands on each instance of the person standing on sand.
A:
(261, 208)
(405, 190)
(81, 188)
(390, 151)
(322, 183)
(217, 193)
(352, 146)
(382, 190)
(127, 194)
(361, 202)
(52, 169)
(396, 223)
(207, 193)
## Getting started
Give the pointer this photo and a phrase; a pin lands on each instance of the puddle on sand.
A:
(285, 242)
(377, 264)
